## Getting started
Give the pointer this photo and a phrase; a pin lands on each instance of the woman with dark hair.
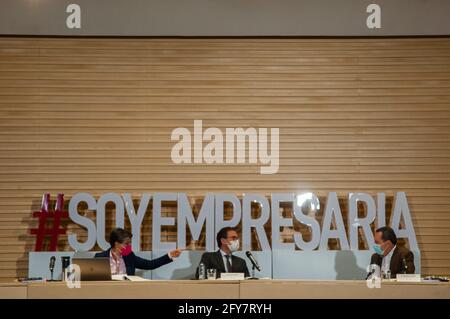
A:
(124, 261)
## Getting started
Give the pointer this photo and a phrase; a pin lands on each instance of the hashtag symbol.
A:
(44, 216)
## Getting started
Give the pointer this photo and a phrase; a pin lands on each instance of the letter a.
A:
(73, 21)
(374, 19)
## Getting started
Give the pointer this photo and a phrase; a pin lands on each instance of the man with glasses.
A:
(223, 260)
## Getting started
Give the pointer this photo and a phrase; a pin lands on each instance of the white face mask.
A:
(234, 245)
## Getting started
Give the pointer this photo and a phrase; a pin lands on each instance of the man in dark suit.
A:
(223, 260)
(124, 261)
(398, 259)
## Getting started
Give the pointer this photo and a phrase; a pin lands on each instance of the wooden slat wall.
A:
(96, 115)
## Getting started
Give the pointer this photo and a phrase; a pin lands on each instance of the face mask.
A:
(234, 245)
(125, 251)
(378, 249)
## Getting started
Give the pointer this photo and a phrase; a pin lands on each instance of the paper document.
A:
(128, 277)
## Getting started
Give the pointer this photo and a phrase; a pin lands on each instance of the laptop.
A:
(93, 269)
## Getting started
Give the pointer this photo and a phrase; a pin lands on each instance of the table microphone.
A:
(253, 260)
(51, 266)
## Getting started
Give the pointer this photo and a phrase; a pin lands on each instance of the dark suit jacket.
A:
(397, 265)
(215, 260)
(132, 261)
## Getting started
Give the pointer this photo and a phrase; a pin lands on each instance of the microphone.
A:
(51, 266)
(253, 260)
(405, 266)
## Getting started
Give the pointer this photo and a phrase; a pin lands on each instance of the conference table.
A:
(224, 289)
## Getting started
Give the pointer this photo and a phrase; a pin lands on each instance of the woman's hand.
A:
(175, 253)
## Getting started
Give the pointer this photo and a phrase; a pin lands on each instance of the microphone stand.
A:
(254, 264)
(253, 273)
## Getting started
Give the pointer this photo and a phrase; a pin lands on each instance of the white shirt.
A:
(118, 266)
(386, 262)
(224, 254)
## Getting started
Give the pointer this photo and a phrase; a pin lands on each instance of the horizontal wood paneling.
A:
(86, 114)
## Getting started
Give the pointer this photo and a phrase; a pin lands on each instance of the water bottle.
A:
(201, 271)
(388, 274)
(65, 263)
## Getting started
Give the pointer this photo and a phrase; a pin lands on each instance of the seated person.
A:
(223, 260)
(124, 261)
(388, 255)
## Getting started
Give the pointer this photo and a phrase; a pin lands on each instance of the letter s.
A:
(82, 221)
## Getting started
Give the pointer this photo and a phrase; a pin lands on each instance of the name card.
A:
(232, 276)
(408, 278)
